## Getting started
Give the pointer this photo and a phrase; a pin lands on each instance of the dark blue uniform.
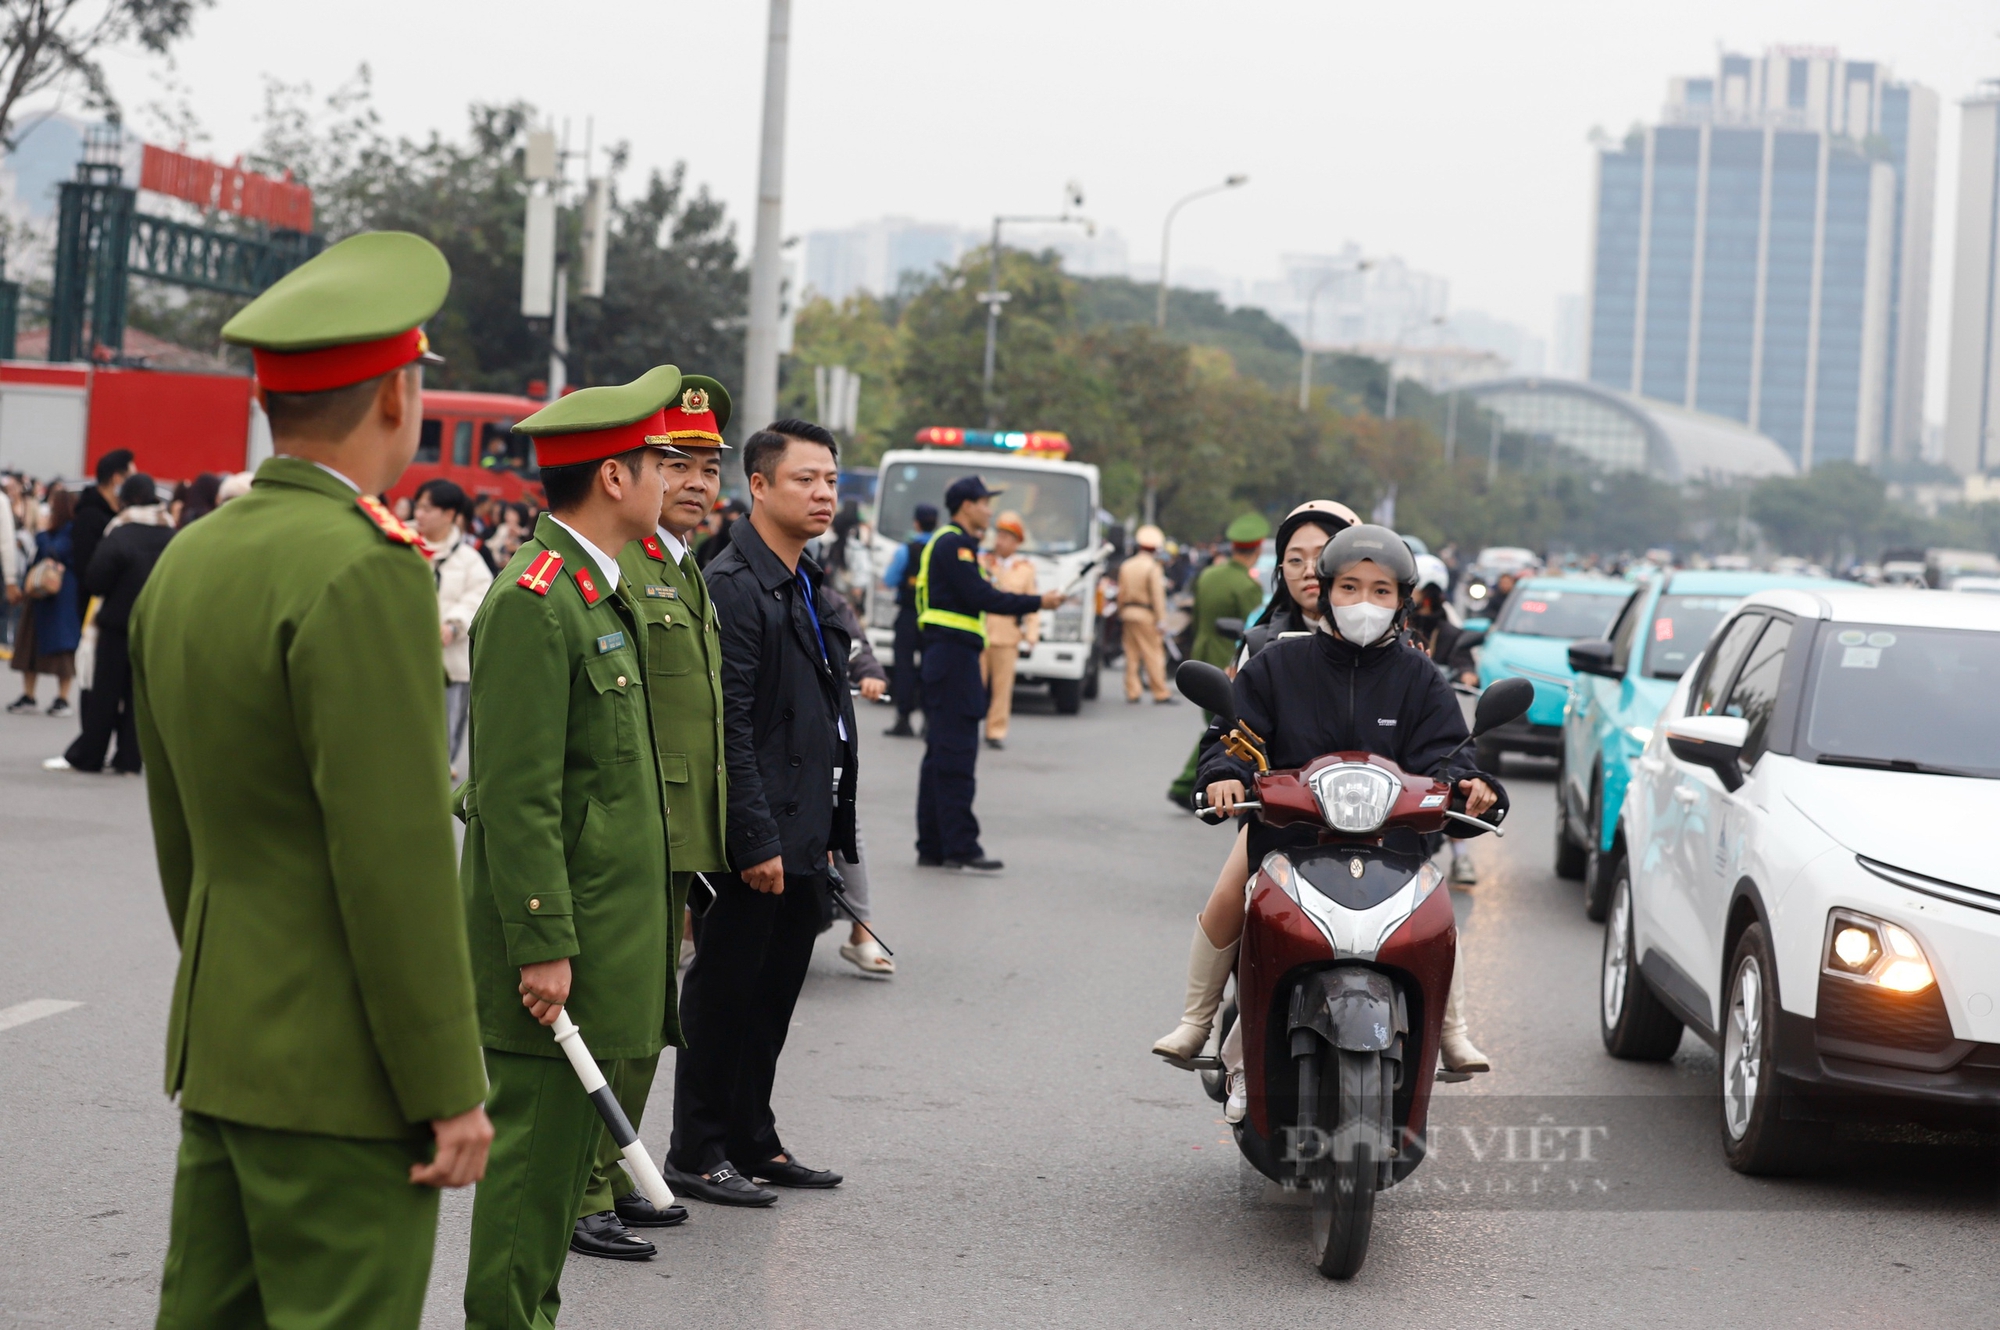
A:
(955, 697)
(905, 684)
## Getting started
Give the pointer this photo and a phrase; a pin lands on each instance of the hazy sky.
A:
(1451, 134)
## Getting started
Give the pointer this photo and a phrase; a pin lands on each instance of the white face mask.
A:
(1362, 624)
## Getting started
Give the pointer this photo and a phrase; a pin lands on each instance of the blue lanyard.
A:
(812, 612)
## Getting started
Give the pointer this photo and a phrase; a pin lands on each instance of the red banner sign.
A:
(206, 184)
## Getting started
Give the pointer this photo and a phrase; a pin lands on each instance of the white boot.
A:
(1238, 1103)
(1208, 970)
(1236, 1083)
(1455, 1049)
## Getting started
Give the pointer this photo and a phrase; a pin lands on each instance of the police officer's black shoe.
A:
(603, 1235)
(974, 865)
(900, 730)
(635, 1211)
(926, 861)
(995, 743)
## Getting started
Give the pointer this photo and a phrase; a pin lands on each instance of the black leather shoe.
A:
(925, 861)
(995, 743)
(723, 1186)
(791, 1173)
(635, 1211)
(974, 865)
(603, 1235)
(900, 730)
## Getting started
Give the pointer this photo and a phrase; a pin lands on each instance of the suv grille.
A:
(1865, 1014)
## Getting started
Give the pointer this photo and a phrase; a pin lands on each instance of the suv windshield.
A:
(1909, 699)
(1681, 627)
(1548, 612)
(1054, 505)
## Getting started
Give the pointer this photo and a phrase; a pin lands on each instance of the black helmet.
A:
(1372, 543)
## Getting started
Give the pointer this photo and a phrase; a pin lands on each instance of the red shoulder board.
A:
(651, 544)
(586, 584)
(541, 574)
(391, 525)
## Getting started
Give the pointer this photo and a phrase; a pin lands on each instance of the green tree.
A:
(860, 334)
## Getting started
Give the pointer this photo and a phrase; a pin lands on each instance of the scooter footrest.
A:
(1453, 1077)
(1200, 1064)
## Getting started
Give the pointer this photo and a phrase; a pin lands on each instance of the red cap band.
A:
(597, 444)
(694, 428)
(336, 366)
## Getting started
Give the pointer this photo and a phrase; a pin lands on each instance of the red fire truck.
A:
(58, 419)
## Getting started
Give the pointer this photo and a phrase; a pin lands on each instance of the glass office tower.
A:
(1763, 254)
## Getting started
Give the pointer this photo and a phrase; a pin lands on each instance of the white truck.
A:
(1057, 503)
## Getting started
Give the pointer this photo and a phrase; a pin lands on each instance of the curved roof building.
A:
(1622, 431)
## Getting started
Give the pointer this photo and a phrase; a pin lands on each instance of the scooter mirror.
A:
(1230, 628)
(1508, 699)
(1207, 687)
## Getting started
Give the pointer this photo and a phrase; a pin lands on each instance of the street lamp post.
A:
(1305, 344)
(1435, 321)
(1166, 234)
(993, 298)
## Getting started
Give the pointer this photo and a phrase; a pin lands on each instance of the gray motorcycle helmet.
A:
(1367, 543)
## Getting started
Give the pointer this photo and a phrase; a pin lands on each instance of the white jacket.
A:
(462, 579)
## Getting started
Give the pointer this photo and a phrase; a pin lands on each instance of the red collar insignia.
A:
(541, 574)
(587, 585)
(651, 544)
(390, 525)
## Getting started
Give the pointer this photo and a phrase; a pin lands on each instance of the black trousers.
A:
(905, 679)
(954, 709)
(750, 958)
(107, 709)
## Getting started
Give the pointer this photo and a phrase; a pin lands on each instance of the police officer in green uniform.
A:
(567, 898)
(684, 691)
(285, 661)
(1224, 590)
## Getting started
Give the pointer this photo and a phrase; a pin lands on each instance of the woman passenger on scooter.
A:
(1354, 685)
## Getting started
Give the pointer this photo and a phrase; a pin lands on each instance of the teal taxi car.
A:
(1529, 639)
(1620, 682)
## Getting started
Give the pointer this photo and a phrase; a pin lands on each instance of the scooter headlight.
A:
(1355, 797)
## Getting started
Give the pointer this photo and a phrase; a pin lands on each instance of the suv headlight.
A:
(1874, 951)
(1355, 797)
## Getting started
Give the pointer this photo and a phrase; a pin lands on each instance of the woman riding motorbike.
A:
(1395, 703)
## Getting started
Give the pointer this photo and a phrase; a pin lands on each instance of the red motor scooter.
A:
(1344, 970)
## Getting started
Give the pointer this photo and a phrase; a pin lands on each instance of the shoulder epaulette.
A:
(651, 544)
(541, 574)
(587, 585)
(391, 526)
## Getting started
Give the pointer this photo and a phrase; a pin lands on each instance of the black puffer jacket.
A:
(1308, 696)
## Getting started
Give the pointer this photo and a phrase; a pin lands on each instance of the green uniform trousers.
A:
(289, 1231)
(632, 1083)
(545, 1135)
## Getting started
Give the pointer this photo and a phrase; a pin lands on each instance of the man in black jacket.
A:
(117, 571)
(97, 506)
(788, 738)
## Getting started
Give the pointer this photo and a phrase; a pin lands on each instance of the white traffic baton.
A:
(651, 1185)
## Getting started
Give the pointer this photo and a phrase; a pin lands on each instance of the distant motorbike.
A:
(1344, 969)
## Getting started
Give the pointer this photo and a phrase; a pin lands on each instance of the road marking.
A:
(23, 1012)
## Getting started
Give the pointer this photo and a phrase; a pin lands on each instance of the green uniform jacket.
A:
(1224, 590)
(288, 684)
(565, 812)
(684, 690)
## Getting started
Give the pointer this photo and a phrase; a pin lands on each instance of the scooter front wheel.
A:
(1344, 1095)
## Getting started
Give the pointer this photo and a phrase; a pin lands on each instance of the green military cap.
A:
(345, 315)
(1249, 529)
(591, 424)
(699, 415)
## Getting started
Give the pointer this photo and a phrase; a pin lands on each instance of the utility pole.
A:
(1493, 454)
(1451, 428)
(1166, 234)
(760, 346)
(993, 297)
(1389, 413)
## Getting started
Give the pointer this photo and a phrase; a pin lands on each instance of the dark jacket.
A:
(58, 618)
(906, 587)
(1270, 627)
(119, 569)
(783, 705)
(1308, 696)
(861, 659)
(958, 583)
(93, 513)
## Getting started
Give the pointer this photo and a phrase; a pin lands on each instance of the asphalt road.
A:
(1014, 1154)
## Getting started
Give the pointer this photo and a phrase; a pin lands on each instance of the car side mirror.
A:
(1715, 742)
(1469, 639)
(1230, 628)
(1506, 700)
(1594, 657)
(1207, 687)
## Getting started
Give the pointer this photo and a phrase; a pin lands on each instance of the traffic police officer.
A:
(568, 903)
(684, 692)
(902, 575)
(1224, 590)
(953, 600)
(285, 665)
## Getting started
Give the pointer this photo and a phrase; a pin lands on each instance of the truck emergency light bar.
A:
(1047, 443)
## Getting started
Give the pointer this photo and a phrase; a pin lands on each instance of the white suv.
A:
(1809, 881)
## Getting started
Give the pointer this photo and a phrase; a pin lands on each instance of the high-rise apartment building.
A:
(1763, 253)
(1972, 393)
(873, 257)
